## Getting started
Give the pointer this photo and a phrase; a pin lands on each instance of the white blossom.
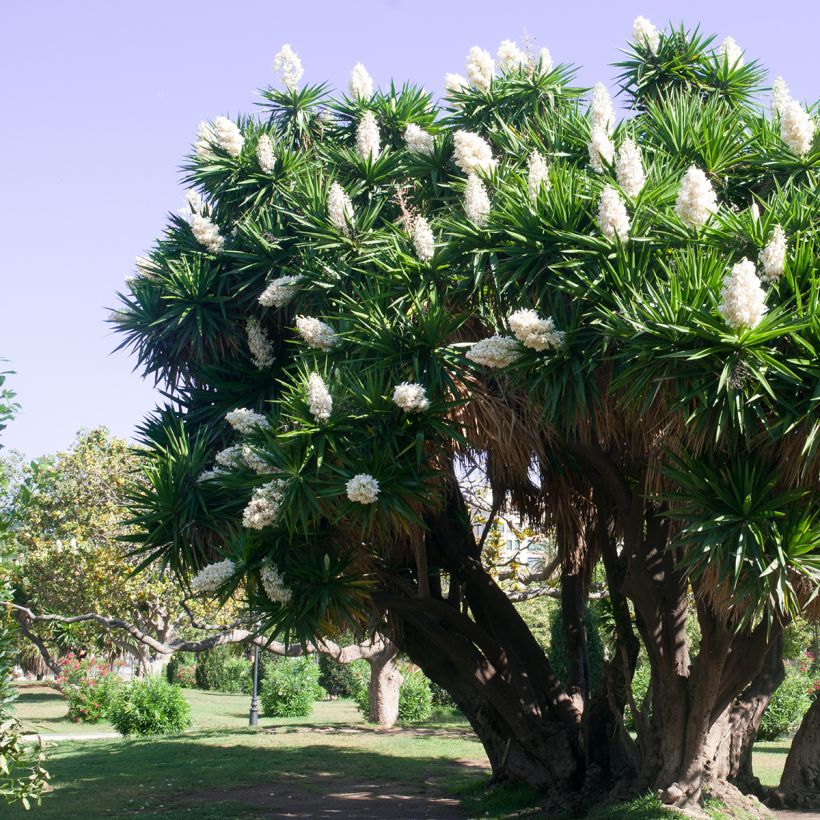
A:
(601, 149)
(743, 300)
(209, 475)
(423, 239)
(732, 52)
(496, 351)
(480, 68)
(601, 113)
(755, 210)
(316, 333)
(320, 401)
(205, 140)
(360, 83)
(368, 138)
(472, 153)
(289, 65)
(230, 457)
(411, 397)
(258, 343)
(537, 175)
(264, 154)
(696, 200)
(645, 33)
(228, 136)
(340, 208)
(279, 292)
(476, 201)
(545, 61)
(455, 82)
(146, 267)
(254, 461)
(246, 421)
(510, 57)
(773, 256)
(418, 139)
(363, 489)
(207, 233)
(613, 219)
(629, 168)
(796, 128)
(781, 96)
(211, 577)
(534, 332)
(264, 505)
(273, 582)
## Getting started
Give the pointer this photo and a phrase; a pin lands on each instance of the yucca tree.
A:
(648, 399)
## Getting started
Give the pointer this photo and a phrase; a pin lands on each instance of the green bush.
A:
(220, 670)
(441, 698)
(789, 703)
(337, 679)
(415, 695)
(149, 706)
(558, 648)
(181, 661)
(90, 700)
(290, 687)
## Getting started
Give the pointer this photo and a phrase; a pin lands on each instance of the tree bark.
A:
(800, 783)
(384, 686)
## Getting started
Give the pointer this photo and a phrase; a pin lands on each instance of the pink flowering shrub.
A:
(88, 686)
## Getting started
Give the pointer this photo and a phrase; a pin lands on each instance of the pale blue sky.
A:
(101, 100)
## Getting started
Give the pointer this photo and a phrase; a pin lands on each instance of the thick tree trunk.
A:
(384, 687)
(800, 783)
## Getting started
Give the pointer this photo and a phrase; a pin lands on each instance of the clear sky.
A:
(101, 100)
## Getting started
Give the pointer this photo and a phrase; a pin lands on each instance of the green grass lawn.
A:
(220, 768)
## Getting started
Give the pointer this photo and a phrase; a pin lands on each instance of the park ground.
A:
(328, 765)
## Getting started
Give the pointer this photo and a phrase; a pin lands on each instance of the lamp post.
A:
(254, 716)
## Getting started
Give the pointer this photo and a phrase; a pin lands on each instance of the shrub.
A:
(220, 670)
(415, 695)
(88, 686)
(441, 698)
(789, 703)
(337, 679)
(149, 706)
(290, 687)
(174, 669)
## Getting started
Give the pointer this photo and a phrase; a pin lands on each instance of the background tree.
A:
(369, 296)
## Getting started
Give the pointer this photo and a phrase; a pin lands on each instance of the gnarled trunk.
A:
(800, 783)
(384, 686)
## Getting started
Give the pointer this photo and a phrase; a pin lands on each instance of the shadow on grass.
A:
(250, 772)
(771, 750)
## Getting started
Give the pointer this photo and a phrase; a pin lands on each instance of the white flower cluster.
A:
(629, 168)
(510, 57)
(613, 219)
(418, 140)
(472, 153)
(146, 267)
(455, 82)
(545, 61)
(732, 52)
(264, 154)
(264, 505)
(205, 138)
(316, 333)
(289, 65)
(246, 421)
(360, 83)
(280, 291)
(773, 256)
(645, 33)
(368, 138)
(340, 208)
(363, 489)
(320, 402)
(273, 583)
(743, 300)
(411, 397)
(534, 332)
(230, 457)
(259, 344)
(496, 351)
(208, 475)
(211, 577)
(423, 239)
(601, 113)
(194, 204)
(537, 175)
(207, 233)
(480, 68)
(601, 149)
(228, 136)
(254, 461)
(476, 201)
(696, 200)
(781, 96)
(796, 128)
